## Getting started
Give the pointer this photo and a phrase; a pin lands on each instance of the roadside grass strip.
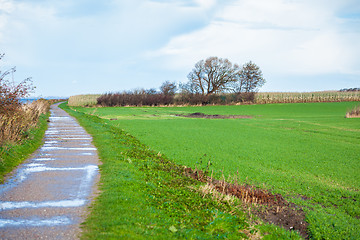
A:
(143, 195)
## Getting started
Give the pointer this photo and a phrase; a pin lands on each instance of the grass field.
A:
(146, 196)
(309, 152)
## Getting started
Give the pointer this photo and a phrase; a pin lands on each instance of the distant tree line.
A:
(212, 81)
(350, 90)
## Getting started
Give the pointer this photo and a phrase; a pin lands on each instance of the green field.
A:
(308, 152)
(143, 195)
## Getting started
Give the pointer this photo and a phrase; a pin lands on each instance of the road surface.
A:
(47, 196)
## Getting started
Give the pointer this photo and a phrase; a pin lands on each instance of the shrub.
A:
(14, 125)
(354, 113)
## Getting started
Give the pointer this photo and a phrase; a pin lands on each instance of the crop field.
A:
(308, 152)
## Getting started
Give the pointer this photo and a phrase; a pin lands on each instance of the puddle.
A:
(46, 204)
(60, 118)
(85, 154)
(22, 174)
(51, 142)
(76, 138)
(44, 159)
(44, 148)
(51, 132)
(42, 168)
(34, 164)
(35, 222)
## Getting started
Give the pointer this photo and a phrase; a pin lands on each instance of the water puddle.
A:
(59, 118)
(76, 138)
(22, 174)
(86, 154)
(46, 204)
(44, 159)
(44, 148)
(35, 222)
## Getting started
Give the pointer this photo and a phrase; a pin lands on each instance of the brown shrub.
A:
(14, 125)
(353, 113)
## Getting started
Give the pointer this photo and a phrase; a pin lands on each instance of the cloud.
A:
(289, 37)
(112, 44)
(63, 40)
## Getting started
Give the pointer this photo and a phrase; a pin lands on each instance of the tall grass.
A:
(304, 97)
(83, 100)
(354, 113)
(14, 125)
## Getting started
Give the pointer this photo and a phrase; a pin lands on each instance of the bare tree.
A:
(213, 75)
(168, 88)
(249, 78)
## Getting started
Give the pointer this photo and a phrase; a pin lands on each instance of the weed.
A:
(354, 113)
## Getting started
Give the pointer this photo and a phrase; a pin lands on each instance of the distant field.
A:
(301, 97)
(309, 152)
(260, 98)
(83, 100)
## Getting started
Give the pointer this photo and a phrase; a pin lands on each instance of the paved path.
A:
(48, 195)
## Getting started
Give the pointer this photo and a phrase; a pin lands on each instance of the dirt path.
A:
(48, 195)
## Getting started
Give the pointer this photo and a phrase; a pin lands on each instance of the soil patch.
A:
(271, 208)
(216, 116)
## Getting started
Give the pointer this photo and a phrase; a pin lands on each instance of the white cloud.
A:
(141, 43)
(290, 37)
(206, 3)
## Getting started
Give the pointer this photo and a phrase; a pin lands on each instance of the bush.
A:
(143, 98)
(14, 125)
(353, 113)
(135, 99)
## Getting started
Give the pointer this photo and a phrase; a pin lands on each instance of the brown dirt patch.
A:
(271, 208)
(216, 116)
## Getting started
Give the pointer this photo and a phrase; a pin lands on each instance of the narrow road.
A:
(47, 196)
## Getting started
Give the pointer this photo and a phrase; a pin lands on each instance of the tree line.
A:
(212, 81)
(350, 90)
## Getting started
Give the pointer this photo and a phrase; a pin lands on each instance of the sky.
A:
(88, 46)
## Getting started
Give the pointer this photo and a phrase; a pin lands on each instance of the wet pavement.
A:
(47, 196)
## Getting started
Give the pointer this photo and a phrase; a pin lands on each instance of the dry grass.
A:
(304, 97)
(14, 125)
(353, 113)
(83, 100)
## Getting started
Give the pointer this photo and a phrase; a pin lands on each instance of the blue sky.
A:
(76, 47)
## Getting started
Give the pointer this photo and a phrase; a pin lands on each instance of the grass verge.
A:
(11, 155)
(144, 195)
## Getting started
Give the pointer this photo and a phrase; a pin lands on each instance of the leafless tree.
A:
(249, 78)
(213, 75)
(168, 88)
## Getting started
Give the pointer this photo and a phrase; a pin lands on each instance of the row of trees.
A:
(211, 81)
(350, 90)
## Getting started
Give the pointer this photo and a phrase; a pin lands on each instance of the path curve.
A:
(47, 196)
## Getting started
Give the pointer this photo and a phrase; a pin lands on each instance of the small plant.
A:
(354, 113)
